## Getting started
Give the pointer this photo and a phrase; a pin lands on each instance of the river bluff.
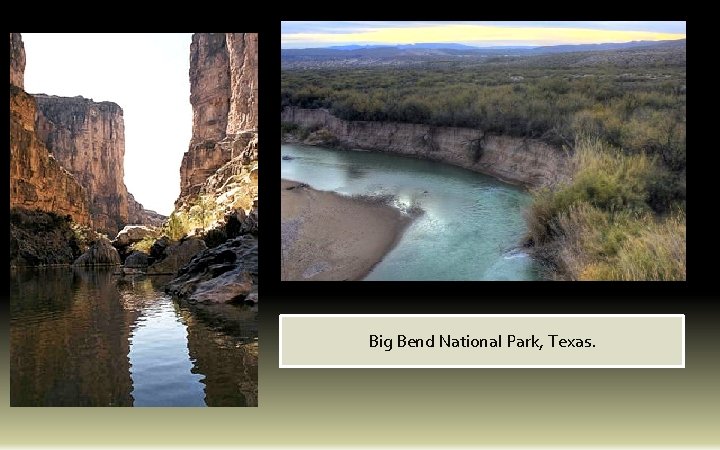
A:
(222, 157)
(516, 160)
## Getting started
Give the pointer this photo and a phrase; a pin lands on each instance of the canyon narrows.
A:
(178, 292)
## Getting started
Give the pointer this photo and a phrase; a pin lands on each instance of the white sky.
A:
(147, 75)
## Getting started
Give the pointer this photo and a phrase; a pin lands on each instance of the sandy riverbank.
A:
(329, 237)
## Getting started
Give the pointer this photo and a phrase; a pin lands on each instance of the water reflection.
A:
(68, 340)
(154, 350)
(86, 338)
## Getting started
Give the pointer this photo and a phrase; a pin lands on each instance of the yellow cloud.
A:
(480, 33)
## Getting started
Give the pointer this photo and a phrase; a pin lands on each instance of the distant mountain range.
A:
(410, 53)
(429, 45)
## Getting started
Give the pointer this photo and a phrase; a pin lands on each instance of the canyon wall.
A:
(242, 51)
(138, 215)
(17, 61)
(67, 156)
(222, 157)
(88, 139)
(37, 179)
(524, 161)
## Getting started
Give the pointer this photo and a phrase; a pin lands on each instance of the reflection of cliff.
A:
(50, 327)
(221, 342)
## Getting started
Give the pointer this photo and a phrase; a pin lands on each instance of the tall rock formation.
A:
(37, 179)
(242, 51)
(88, 138)
(17, 61)
(222, 159)
(67, 156)
(138, 215)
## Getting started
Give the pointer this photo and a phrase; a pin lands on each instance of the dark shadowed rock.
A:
(38, 238)
(137, 260)
(224, 274)
(100, 253)
(157, 251)
(177, 255)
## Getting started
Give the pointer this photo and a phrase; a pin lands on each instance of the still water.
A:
(471, 227)
(83, 337)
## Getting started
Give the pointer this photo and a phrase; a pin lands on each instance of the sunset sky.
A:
(482, 34)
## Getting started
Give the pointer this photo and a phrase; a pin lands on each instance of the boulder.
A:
(157, 251)
(133, 233)
(230, 287)
(137, 260)
(224, 274)
(99, 253)
(130, 235)
(177, 255)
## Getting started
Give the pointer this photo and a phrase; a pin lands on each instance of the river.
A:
(471, 227)
(83, 337)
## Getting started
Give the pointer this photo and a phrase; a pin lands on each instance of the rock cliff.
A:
(524, 161)
(37, 179)
(88, 139)
(242, 51)
(138, 215)
(222, 158)
(17, 61)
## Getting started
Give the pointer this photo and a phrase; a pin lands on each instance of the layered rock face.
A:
(242, 51)
(88, 138)
(525, 161)
(17, 61)
(37, 180)
(138, 215)
(67, 156)
(222, 158)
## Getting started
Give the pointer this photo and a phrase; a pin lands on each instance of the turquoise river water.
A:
(471, 227)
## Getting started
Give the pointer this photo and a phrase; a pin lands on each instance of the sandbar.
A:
(330, 237)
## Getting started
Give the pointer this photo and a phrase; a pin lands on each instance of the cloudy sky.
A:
(147, 75)
(323, 34)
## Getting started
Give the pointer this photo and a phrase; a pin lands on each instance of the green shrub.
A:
(202, 212)
(601, 226)
(144, 245)
(176, 226)
(604, 178)
(597, 245)
(659, 253)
